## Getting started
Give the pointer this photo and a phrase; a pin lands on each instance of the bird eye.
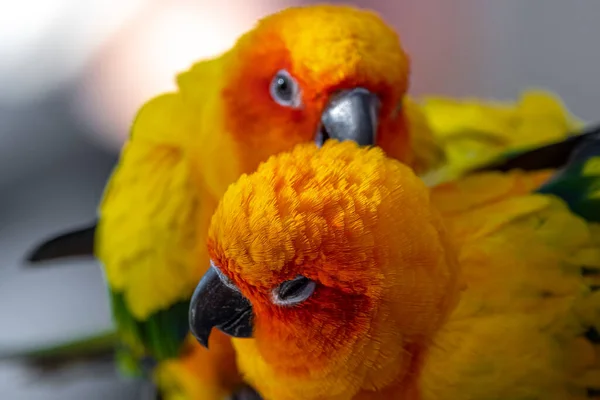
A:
(284, 90)
(294, 291)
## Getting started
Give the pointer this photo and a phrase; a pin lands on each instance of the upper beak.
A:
(214, 304)
(351, 115)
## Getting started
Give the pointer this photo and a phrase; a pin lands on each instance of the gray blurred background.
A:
(73, 73)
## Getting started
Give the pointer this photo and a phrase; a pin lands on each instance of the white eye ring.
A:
(285, 90)
(292, 292)
(226, 281)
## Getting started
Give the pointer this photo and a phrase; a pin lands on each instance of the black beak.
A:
(215, 304)
(351, 115)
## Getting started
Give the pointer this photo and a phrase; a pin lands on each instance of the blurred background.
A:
(74, 72)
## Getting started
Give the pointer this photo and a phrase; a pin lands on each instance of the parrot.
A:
(303, 74)
(342, 276)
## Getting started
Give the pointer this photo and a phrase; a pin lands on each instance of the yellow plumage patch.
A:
(473, 131)
(518, 330)
(592, 167)
(164, 180)
(428, 153)
(150, 200)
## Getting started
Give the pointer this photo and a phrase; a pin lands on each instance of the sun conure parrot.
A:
(342, 276)
(305, 74)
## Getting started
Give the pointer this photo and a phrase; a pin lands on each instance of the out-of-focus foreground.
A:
(73, 73)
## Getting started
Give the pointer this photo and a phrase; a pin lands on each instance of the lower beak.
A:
(351, 115)
(214, 304)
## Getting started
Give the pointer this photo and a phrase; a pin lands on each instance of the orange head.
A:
(314, 72)
(335, 263)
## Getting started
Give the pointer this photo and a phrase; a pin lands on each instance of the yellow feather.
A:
(516, 333)
(475, 131)
(145, 239)
(425, 143)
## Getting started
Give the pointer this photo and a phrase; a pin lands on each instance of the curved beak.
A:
(215, 304)
(351, 115)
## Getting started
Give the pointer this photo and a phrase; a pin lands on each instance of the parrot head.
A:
(313, 73)
(333, 261)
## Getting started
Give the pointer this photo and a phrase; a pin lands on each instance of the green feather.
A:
(577, 179)
(578, 184)
(160, 336)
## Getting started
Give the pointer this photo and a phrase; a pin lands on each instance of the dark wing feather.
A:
(76, 243)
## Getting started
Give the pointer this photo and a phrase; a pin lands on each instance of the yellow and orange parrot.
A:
(305, 74)
(343, 277)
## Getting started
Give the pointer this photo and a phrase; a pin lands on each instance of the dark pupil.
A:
(290, 288)
(284, 89)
